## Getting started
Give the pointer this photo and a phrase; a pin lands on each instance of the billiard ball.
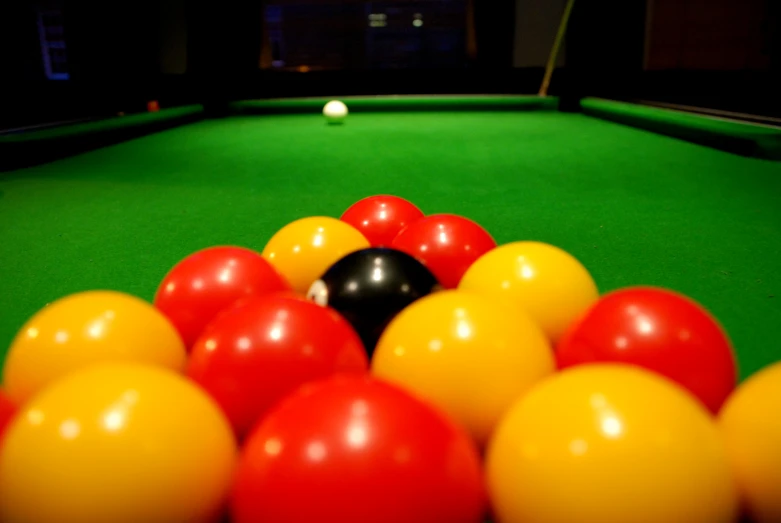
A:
(302, 250)
(661, 331)
(257, 352)
(468, 354)
(357, 450)
(335, 111)
(380, 218)
(609, 443)
(85, 328)
(751, 428)
(549, 283)
(447, 244)
(120, 442)
(208, 281)
(369, 287)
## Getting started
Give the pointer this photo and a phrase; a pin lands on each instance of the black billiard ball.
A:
(369, 287)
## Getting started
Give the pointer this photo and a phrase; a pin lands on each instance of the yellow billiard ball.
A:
(119, 442)
(471, 355)
(751, 426)
(609, 443)
(550, 284)
(85, 328)
(303, 250)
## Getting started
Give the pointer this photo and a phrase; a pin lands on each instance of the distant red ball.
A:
(445, 243)
(358, 450)
(207, 282)
(658, 330)
(262, 349)
(380, 218)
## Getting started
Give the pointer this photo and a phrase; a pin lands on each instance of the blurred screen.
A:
(309, 36)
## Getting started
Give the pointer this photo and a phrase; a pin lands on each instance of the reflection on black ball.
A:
(369, 287)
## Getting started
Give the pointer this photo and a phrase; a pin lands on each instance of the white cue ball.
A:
(335, 111)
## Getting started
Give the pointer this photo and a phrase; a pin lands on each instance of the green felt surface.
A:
(634, 206)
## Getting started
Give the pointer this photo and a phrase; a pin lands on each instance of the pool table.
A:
(640, 195)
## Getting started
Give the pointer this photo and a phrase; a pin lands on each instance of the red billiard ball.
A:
(209, 281)
(358, 450)
(153, 106)
(380, 218)
(262, 349)
(445, 243)
(658, 330)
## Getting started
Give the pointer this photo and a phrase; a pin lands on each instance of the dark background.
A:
(721, 54)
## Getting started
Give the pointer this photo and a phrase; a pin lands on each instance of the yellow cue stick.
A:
(555, 51)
